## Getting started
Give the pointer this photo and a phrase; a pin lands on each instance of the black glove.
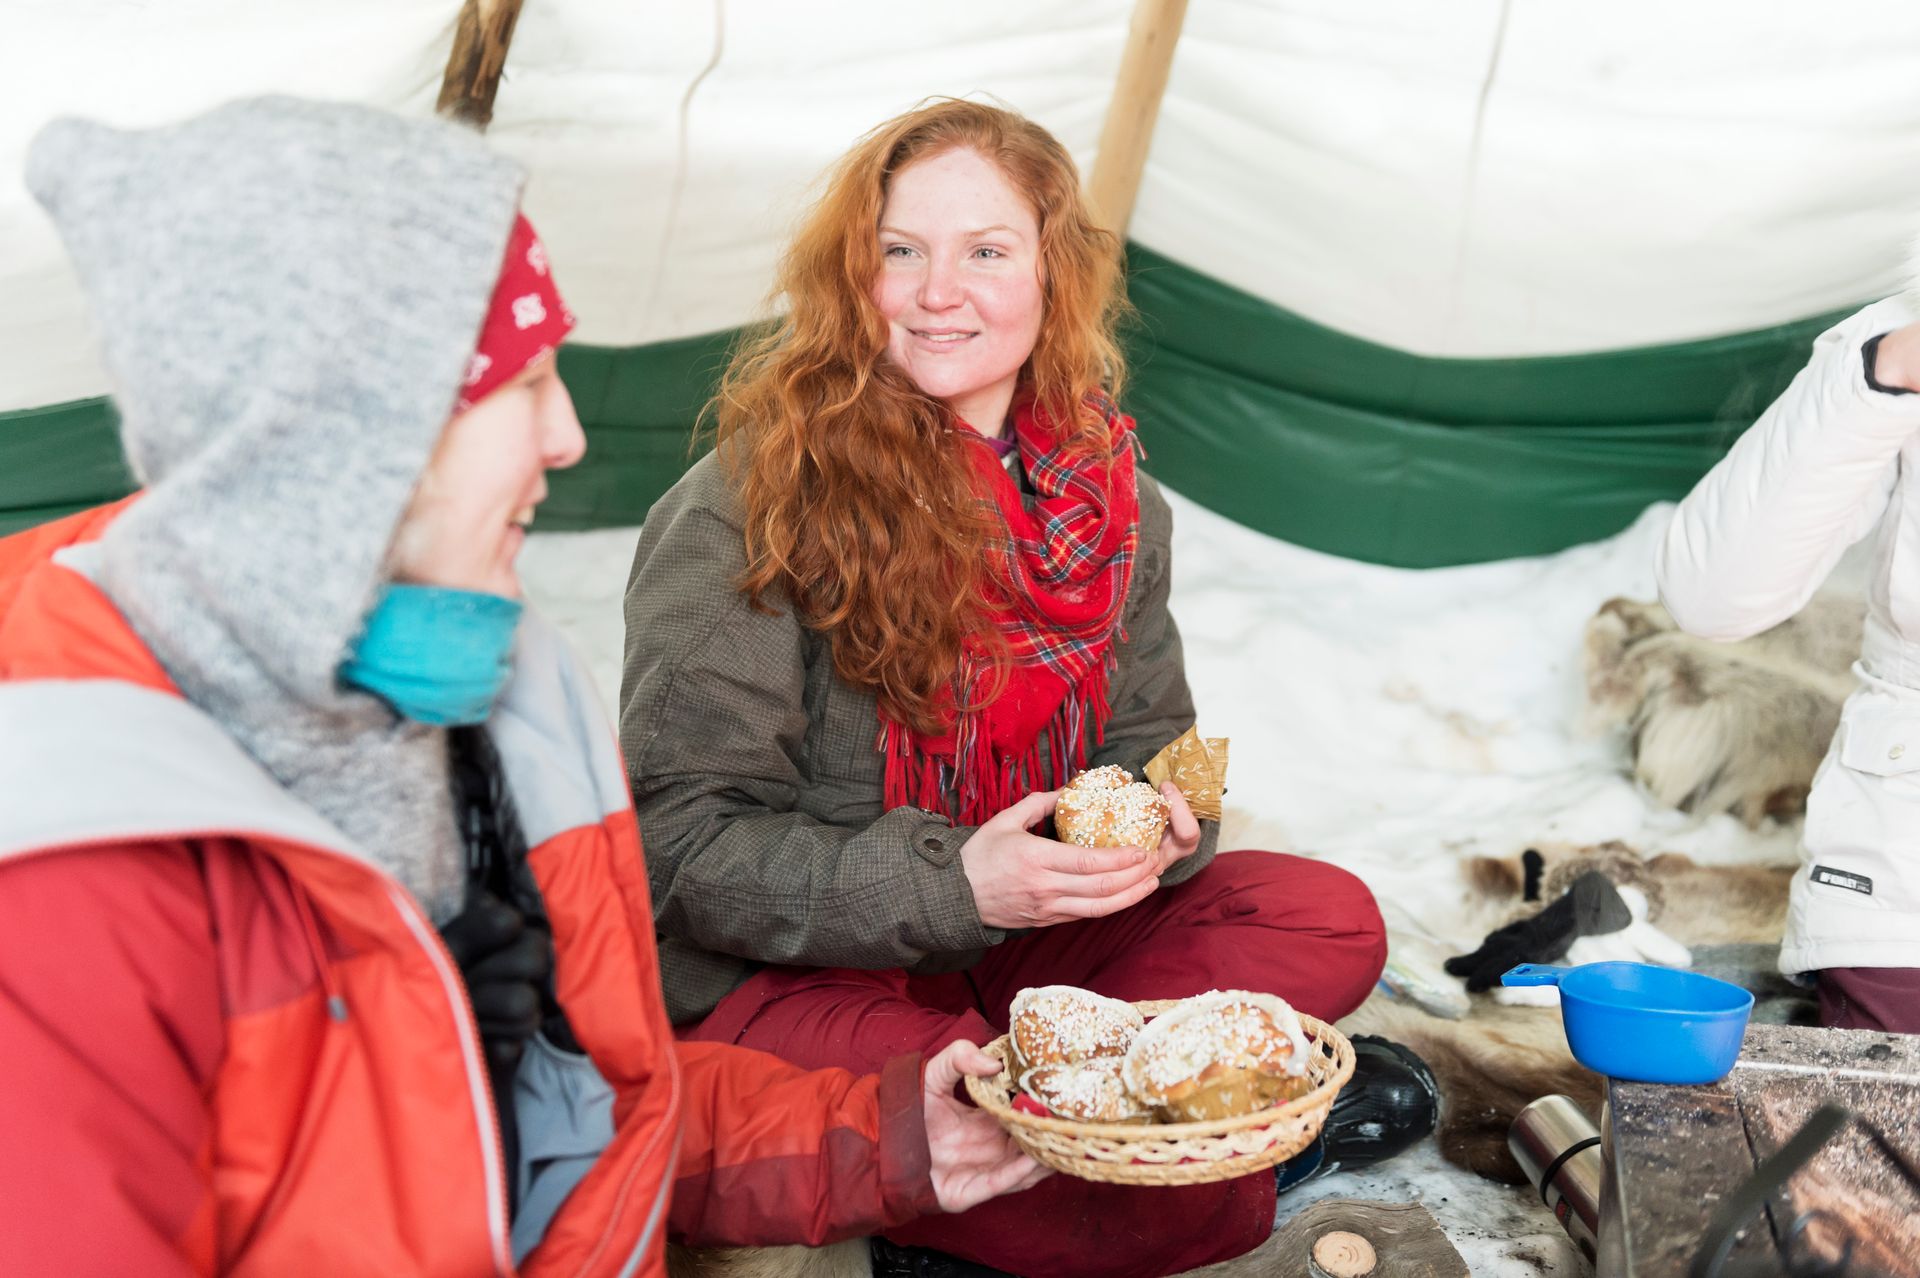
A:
(505, 964)
(1590, 907)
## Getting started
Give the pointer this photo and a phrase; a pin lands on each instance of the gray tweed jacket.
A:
(758, 787)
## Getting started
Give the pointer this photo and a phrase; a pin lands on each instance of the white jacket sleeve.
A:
(1756, 537)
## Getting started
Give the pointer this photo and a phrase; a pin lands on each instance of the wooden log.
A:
(1137, 89)
(1673, 1154)
(1855, 1198)
(1398, 1240)
(481, 37)
(1340, 1254)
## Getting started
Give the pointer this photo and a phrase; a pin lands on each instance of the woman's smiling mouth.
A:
(943, 336)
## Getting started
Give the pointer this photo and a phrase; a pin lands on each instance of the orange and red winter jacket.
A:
(232, 1045)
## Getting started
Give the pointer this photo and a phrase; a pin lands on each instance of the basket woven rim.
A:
(987, 1093)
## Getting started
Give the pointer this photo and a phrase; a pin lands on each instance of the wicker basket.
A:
(1174, 1153)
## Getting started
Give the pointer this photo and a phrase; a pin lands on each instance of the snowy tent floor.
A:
(1389, 721)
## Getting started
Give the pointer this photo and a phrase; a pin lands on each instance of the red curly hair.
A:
(859, 503)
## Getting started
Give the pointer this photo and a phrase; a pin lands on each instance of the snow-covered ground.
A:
(1388, 720)
(1396, 721)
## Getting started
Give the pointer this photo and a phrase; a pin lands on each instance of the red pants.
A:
(1251, 920)
(1871, 998)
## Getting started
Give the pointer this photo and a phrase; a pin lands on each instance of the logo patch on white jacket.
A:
(1843, 879)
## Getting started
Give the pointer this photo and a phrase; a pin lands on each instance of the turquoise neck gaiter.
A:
(435, 655)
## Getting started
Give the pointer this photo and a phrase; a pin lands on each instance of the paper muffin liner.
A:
(1198, 765)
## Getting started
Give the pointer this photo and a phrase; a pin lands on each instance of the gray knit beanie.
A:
(287, 294)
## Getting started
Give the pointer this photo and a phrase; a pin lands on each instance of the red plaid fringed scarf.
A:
(1068, 563)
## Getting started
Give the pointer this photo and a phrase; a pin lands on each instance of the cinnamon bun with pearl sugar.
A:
(1219, 1055)
(1106, 808)
(1064, 1025)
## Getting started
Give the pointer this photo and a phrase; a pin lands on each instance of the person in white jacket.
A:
(1831, 461)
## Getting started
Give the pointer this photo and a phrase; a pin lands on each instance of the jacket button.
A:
(1896, 752)
(933, 849)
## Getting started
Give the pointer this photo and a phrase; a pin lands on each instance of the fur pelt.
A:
(1494, 880)
(1709, 904)
(1489, 1067)
(1723, 727)
(837, 1260)
(1498, 1059)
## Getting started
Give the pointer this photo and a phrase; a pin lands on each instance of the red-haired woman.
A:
(917, 586)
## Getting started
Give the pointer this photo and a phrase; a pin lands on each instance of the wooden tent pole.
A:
(480, 40)
(1128, 131)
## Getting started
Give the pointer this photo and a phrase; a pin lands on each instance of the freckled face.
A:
(960, 283)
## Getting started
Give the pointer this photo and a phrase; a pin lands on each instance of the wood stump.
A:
(1372, 1240)
(1339, 1254)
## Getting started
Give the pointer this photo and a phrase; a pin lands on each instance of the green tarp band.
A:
(59, 459)
(1372, 453)
(1279, 423)
(1714, 379)
(638, 405)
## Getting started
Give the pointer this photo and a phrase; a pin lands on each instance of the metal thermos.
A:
(1559, 1150)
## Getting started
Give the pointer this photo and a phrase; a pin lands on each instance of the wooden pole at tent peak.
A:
(1137, 89)
(480, 40)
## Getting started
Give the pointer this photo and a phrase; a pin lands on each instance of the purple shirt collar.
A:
(1003, 444)
(1002, 447)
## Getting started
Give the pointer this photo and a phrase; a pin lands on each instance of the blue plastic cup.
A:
(1644, 1023)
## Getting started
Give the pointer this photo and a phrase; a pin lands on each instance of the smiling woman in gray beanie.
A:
(325, 942)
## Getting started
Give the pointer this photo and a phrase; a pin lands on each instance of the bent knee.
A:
(1283, 885)
(1332, 906)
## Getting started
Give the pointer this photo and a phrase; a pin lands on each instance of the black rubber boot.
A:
(890, 1260)
(1389, 1104)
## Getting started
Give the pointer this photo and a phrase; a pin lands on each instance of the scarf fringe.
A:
(1069, 560)
(980, 780)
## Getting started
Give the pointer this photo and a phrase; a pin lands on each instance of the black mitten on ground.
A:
(1590, 907)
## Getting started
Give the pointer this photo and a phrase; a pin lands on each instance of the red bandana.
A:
(525, 320)
(1066, 569)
